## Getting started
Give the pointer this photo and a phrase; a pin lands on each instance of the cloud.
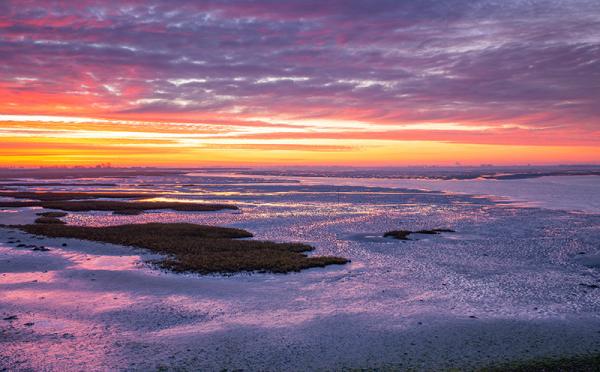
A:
(491, 62)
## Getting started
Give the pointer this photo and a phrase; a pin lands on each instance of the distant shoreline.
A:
(503, 176)
(427, 173)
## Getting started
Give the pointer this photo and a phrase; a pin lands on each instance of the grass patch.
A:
(49, 220)
(403, 234)
(19, 204)
(132, 207)
(433, 231)
(197, 248)
(118, 207)
(583, 363)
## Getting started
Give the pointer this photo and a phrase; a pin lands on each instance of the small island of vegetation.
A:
(403, 234)
(196, 248)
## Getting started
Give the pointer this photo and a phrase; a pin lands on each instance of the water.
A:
(513, 277)
(570, 193)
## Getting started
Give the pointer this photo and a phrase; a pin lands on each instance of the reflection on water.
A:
(504, 262)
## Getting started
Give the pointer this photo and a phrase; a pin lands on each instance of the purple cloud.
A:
(526, 62)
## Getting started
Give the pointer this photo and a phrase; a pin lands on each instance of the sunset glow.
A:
(184, 83)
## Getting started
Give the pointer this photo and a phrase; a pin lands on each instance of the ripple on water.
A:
(504, 263)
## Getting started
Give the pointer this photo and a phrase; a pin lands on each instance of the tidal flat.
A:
(513, 286)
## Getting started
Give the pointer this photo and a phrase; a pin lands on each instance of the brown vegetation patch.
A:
(123, 206)
(197, 248)
(398, 234)
(52, 214)
(118, 207)
(49, 220)
(403, 234)
(19, 204)
(433, 231)
(62, 196)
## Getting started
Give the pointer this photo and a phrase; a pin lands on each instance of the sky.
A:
(274, 82)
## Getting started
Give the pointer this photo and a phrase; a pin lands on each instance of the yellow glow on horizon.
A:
(60, 140)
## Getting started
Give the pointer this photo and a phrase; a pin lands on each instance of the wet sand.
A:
(95, 306)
